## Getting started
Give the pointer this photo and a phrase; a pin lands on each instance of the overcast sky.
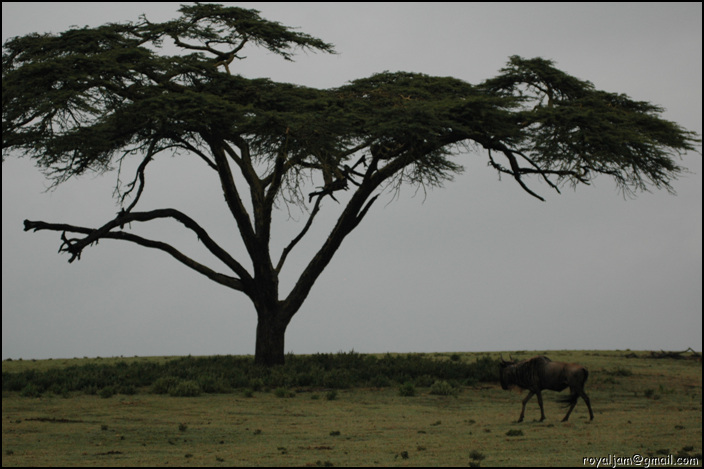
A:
(476, 266)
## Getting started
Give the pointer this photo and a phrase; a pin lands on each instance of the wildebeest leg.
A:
(540, 403)
(589, 405)
(573, 402)
(525, 401)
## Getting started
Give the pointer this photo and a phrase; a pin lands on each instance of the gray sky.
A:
(476, 266)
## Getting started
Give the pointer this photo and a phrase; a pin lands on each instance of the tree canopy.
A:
(91, 99)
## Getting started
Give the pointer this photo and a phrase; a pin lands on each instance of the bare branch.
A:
(192, 148)
(231, 282)
(517, 171)
(234, 202)
(75, 246)
(366, 208)
(300, 236)
(140, 176)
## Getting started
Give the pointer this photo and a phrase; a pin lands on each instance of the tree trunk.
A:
(269, 349)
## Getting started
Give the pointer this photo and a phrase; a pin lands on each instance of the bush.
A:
(425, 381)
(212, 385)
(224, 374)
(283, 392)
(407, 390)
(476, 455)
(380, 381)
(30, 390)
(185, 389)
(176, 387)
(443, 388)
(338, 379)
(127, 390)
(162, 385)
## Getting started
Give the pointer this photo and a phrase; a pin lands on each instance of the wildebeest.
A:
(538, 373)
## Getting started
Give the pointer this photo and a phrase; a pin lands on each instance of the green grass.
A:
(642, 406)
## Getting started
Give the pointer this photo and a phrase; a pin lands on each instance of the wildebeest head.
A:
(505, 372)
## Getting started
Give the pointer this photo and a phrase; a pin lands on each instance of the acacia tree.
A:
(93, 99)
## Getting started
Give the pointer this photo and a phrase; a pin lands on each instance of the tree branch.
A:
(300, 236)
(515, 171)
(75, 246)
(355, 210)
(192, 148)
(234, 202)
(366, 208)
(139, 176)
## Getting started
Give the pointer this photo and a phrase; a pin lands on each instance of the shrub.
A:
(424, 381)
(30, 390)
(475, 458)
(223, 374)
(127, 390)
(380, 381)
(338, 379)
(212, 385)
(407, 390)
(185, 389)
(284, 392)
(59, 389)
(256, 384)
(162, 385)
(443, 388)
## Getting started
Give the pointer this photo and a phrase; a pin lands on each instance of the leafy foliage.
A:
(574, 130)
(79, 100)
(86, 98)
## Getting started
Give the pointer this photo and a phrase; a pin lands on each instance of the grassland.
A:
(642, 406)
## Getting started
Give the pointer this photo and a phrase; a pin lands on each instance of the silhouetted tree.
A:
(90, 99)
